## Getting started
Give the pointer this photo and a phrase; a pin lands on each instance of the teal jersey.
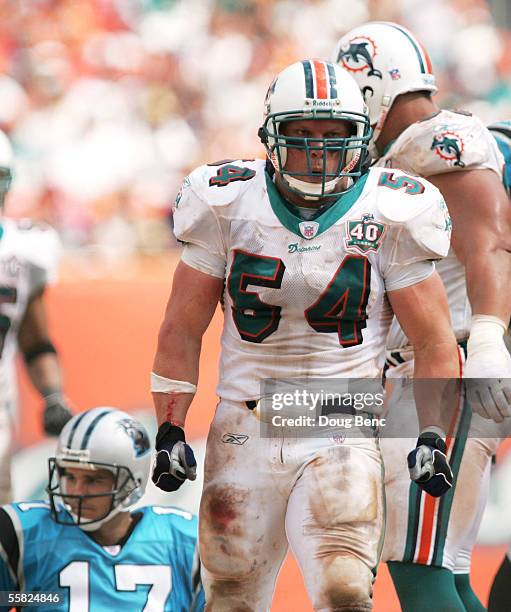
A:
(505, 149)
(155, 570)
(501, 131)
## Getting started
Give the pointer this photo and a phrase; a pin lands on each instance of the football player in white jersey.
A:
(456, 153)
(310, 253)
(28, 261)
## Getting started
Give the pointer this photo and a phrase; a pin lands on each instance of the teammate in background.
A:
(500, 593)
(28, 261)
(86, 544)
(309, 252)
(457, 154)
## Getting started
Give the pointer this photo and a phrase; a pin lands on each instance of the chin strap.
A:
(311, 191)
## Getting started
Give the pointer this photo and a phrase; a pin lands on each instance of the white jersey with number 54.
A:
(306, 299)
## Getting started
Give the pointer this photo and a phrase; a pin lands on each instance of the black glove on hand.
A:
(56, 414)
(175, 461)
(428, 465)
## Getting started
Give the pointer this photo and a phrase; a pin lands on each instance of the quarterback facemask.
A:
(100, 468)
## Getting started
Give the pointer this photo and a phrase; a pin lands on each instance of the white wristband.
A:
(486, 331)
(160, 384)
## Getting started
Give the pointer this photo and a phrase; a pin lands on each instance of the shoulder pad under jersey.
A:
(449, 141)
(196, 212)
(419, 208)
(222, 182)
(39, 244)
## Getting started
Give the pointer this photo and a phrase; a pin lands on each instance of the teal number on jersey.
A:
(341, 308)
(8, 295)
(229, 173)
(254, 319)
(411, 186)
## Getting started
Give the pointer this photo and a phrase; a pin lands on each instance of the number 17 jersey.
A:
(306, 298)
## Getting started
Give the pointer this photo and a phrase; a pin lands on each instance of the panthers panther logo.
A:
(138, 436)
(449, 146)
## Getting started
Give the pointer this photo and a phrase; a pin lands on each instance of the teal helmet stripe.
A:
(414, 44)
(309, 79)
(91, 428)
(332, 79)
(73, 430)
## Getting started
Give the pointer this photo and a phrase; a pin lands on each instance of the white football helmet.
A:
(6, 159)
(386, 60)
(315, 89)
(102, 438)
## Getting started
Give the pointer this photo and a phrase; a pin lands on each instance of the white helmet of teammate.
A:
(6, 159)
(386, 60)
(315, 89)
(102, 438)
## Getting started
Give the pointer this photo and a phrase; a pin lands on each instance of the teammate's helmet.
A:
(386, 60)
(5, 167)
(315, 89)
(501, 130)
(102, 438)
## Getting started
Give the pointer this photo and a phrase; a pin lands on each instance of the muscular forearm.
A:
(488, 275)
(44, 373)
(177, 358)
(436, 370)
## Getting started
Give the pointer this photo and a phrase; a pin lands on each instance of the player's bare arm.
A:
(43, 368)
(481, 237)
(190, 308)
(42, 363)
(423, 313)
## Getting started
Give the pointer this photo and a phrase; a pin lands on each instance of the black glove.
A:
(175, 461)
(428, 465)
(56, 414)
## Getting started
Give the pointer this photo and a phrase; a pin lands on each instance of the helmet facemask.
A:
(314, 90)
(348, 153)
(124, 493)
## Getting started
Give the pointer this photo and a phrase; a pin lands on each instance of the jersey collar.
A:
(326, 219)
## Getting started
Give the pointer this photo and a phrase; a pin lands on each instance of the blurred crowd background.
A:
(109, 103)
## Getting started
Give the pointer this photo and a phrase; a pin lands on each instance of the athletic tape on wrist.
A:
(160, 384)
(485, 331)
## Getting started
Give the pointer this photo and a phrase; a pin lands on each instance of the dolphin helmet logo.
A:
(449, 146)
(359, 55)
(137, 434)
